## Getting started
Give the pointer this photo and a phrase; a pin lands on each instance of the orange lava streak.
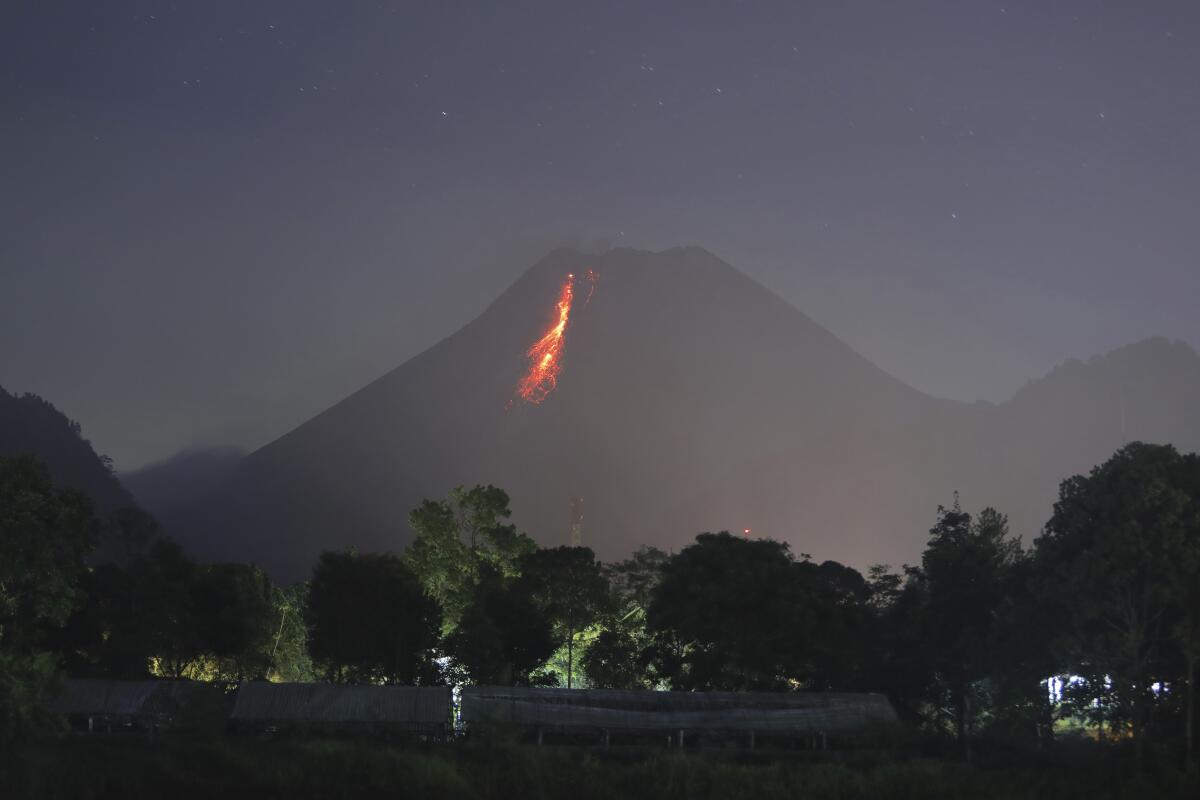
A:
(591, 276)
(545, 356)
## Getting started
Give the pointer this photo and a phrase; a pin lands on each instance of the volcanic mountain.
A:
(679, 396)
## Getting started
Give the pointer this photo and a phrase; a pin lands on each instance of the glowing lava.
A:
(545, 356)
(592, 277)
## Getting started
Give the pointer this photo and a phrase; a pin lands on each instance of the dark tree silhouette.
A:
(45, 534)
(369, 620)
(504, 636)
(1119, 556)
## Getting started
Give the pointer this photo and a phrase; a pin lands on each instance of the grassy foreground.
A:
(108, 767)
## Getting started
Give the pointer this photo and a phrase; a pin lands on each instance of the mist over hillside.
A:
(690, 398)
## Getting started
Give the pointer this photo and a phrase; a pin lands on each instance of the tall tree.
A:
(504, 635)
(731, 614)
(633, 580)
(45, 535)
(569, 585)
(1185, 630)
(290, 661)
(967, 567)
(620, 656)
(235, 615)
(369, 620)
(1118, 555)
(458, 536)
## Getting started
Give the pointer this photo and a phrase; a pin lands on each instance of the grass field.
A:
(131, 769)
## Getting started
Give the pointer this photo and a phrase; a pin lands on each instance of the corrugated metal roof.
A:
(795, 712)
(321, 702)
(104, 697)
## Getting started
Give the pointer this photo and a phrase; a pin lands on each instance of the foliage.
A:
(370, 621)
(615, 659)
(26, 682)
(967, 567)
(504, 636)
(235, 615)
(102, 767)
(735, 614)
(633, 580)
(45, 534)
(619, 655)
(456, 538)
(1119, 560)
(290, 661)
(126, 536)
(568, 585)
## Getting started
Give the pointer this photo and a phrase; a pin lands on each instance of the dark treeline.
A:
(1093, 630)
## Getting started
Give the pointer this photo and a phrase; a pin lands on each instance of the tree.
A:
(569, 585)
(290, 661)
(139, 618)
(838, 613)
(503, 636)
(1185, 579)
(731, 614)
(126, 536)
(633, 580)
(45, 535)
(619, 657)
(1118, 556)
(458, 536)
(161, 618)
(369, 620)
(235, 617)
(616, 658)
(904, 668)
(966, 568)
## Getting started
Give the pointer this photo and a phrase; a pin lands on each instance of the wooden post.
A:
(681, 738)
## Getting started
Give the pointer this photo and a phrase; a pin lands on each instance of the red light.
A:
(545, 355)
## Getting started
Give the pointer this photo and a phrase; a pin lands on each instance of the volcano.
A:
(683, 397)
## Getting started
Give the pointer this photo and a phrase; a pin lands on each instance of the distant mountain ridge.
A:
(30, 425)
(691, 398)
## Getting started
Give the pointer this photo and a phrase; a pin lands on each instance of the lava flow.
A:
(545, 356)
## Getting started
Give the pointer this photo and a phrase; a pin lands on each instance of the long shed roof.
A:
(794, 712)
(118, 698)
(320, 702)
(104, 697)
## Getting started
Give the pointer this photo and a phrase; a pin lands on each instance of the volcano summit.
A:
(675, 395)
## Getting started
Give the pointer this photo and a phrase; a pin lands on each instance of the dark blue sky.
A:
(220, 217)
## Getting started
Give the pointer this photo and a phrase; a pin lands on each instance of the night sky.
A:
(221, 217)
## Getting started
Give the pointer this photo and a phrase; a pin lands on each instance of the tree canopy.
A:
(370, 620)
(456, 538)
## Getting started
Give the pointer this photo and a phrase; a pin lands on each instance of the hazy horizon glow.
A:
(223, 219)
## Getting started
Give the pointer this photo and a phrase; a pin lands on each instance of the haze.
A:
(220, 218)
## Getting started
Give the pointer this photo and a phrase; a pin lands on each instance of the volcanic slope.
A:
(687, 397)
